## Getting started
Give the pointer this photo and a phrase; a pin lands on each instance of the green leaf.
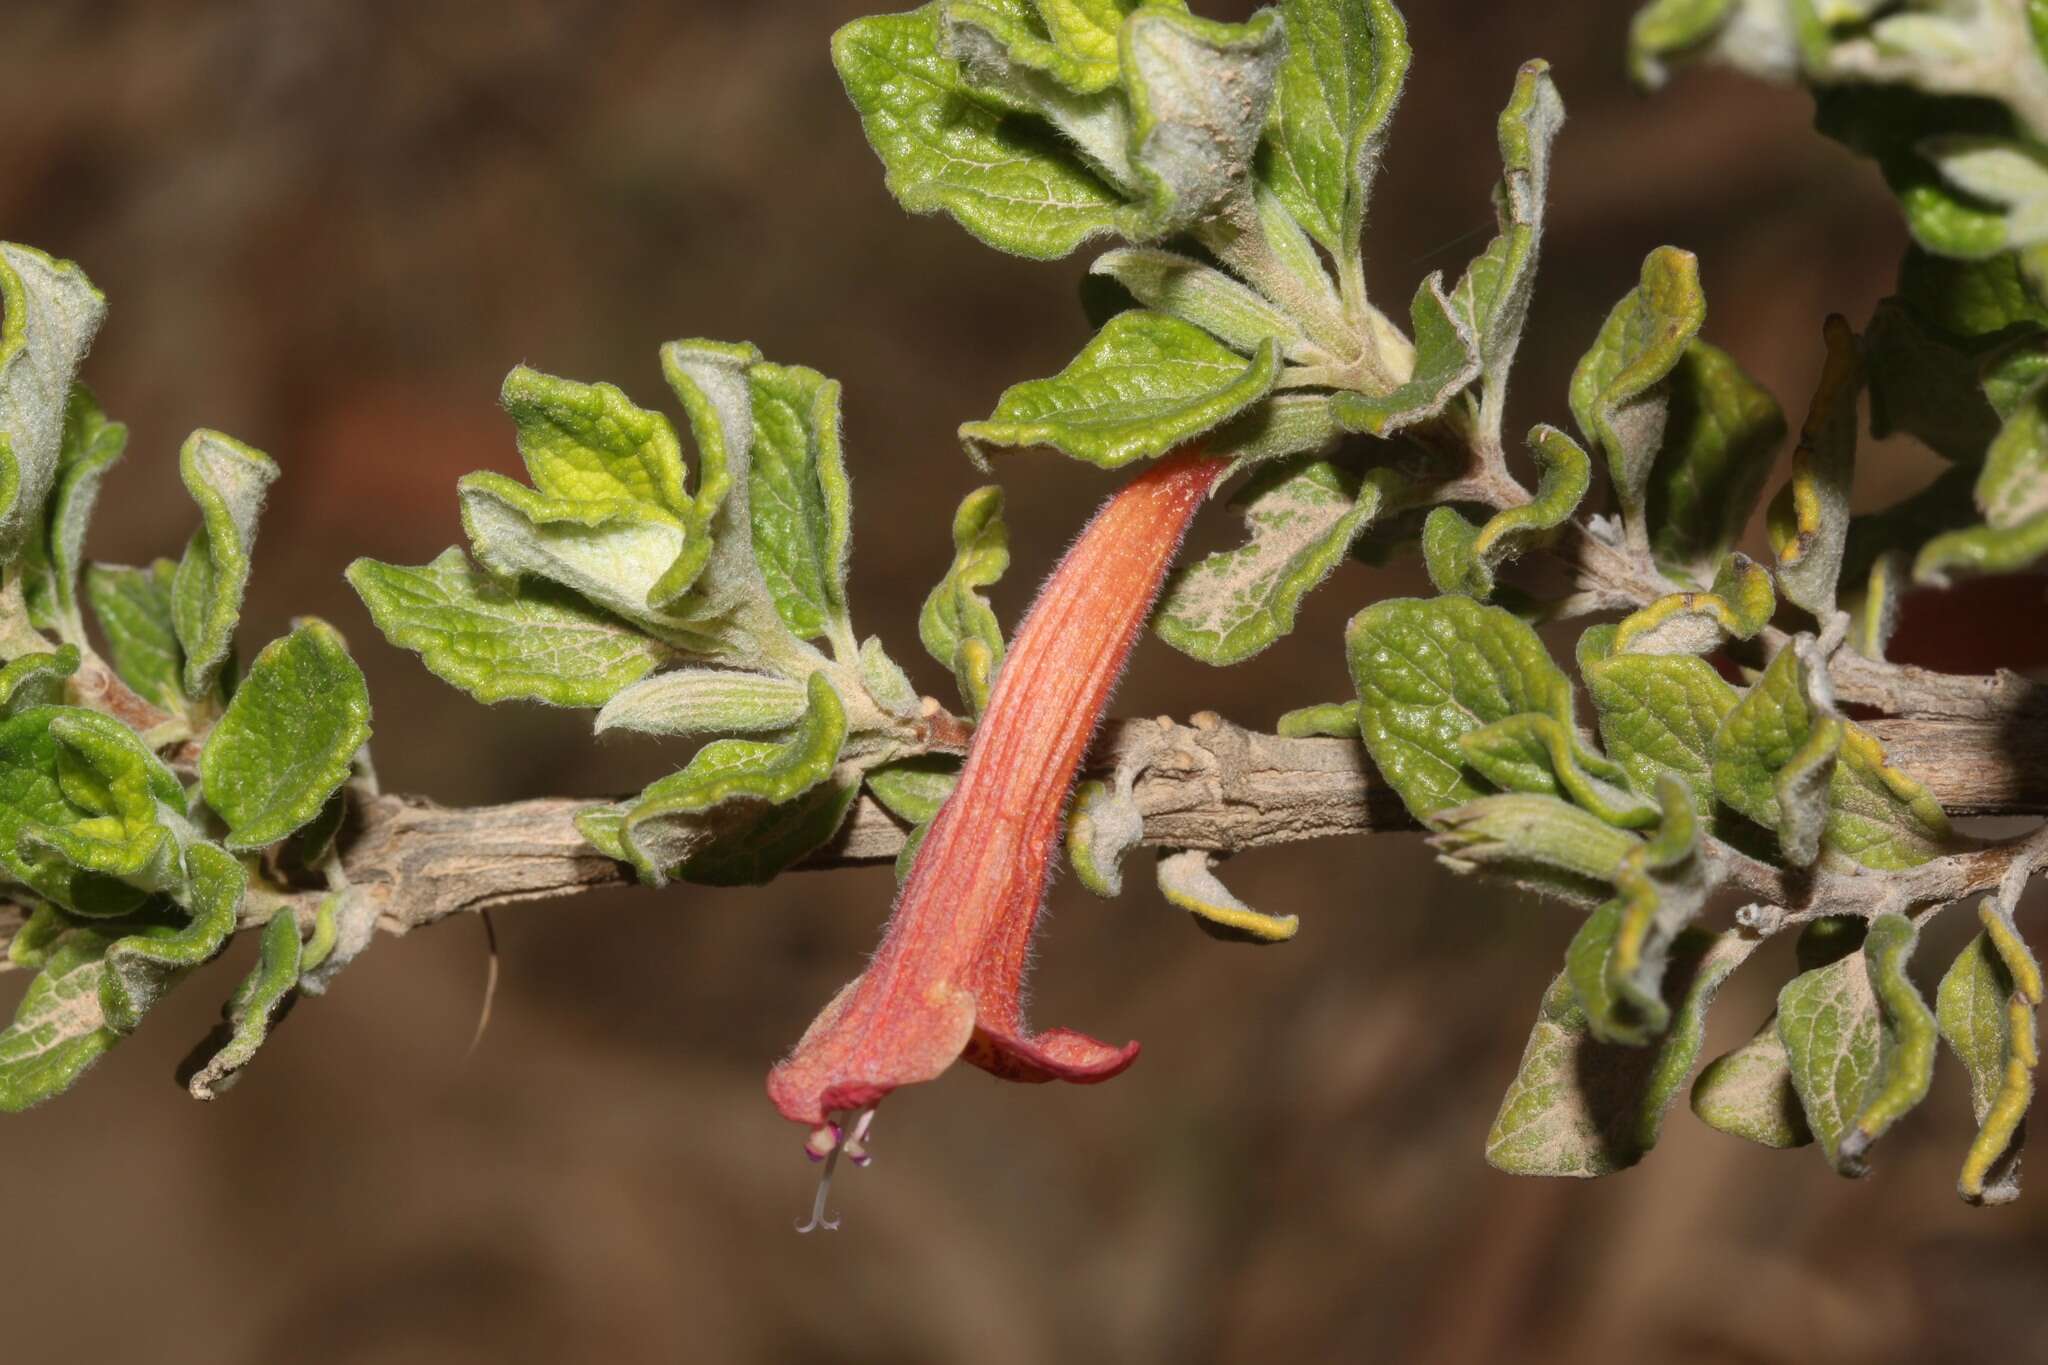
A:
(1462, 558)
(1103, 824)
(2011, 493)
(913, 789)
(1618, 958)
(1187, 878)
(59, 1029)
(668, 824)
(119, 792)
(1620, 392)
(1658, 715)
(1738, 606)
(589, 443)
(1860, 1042)
(1582, 1107)
(1875, 815)
(1973, 304)
(1538, 753)
(1282, 425)
(885, 682)
(1547, 844)
(49, 313)
(498, 641)
(1079, 48)
(1889, 124)
(36, 680)
(1199, 94)
(772, 540)
(1009, 181)
(1721, 434)
(1981, 550)
(141, 967)
(798, 500)
(1809, 519)
(2004, 173)
(287, 739)
(1494, 292)
(1446, 360)
(1334, 95)
(754, 851)
(228, 480)
(133, 608)
(1748, 1093)
(955, 613)
(250, 1011)
(612, 553)
(1302, 517)
(91, 446)
(1430, 671)
(1676, 28)
(2014, 486)
(1985, 1007)
(1183, 287)
(705, 701)
(1145, 384)
(78, 810)
(1334, 720)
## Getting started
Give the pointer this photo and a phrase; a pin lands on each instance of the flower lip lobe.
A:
(947, 982)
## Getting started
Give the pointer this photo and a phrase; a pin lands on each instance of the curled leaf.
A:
(228, 480)
(1738, 606)
(1463, 559)
(49, 313)
(956, 612)
(1582, 1107)
(1187, 878)
(1620, 392)
(1533, 752)
(1809, 519)
(1336, 720)
(1446, 360)
(1544, 842)
(253, 1008)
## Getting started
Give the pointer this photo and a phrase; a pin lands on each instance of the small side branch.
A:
(1208, 785)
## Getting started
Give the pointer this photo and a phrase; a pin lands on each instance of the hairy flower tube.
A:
(947, 982)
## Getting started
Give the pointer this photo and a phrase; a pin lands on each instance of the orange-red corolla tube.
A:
(947, 981)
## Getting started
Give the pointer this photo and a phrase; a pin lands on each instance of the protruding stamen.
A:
(855, 1146)
(826, 1143)
(818, 1218)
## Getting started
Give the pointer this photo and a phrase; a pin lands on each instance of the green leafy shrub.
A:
(158, 799)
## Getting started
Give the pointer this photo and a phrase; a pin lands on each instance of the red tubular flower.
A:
(947, 982)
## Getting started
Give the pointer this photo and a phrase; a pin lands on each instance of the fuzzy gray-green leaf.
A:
(49, 313)
(251, 1010)
(1429, 672)
(1335, 92)
(526, 640)
(1302, 517)
(1009, 181)
(1581, 1107)
(1145, 384)
(133, 608)
(287, 739)
(228, 480)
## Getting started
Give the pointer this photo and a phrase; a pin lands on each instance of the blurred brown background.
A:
(329, 227)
